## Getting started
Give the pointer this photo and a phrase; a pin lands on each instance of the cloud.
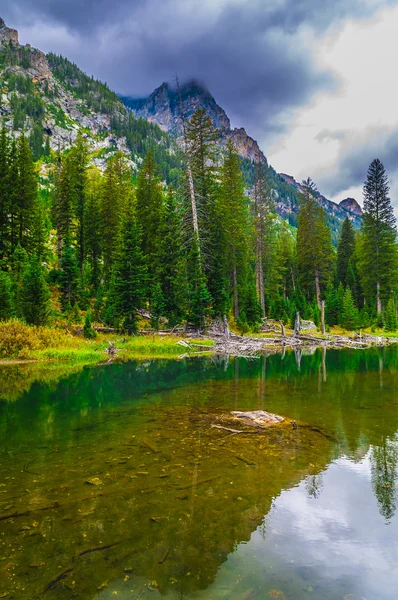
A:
(256, 58)
(356, 153)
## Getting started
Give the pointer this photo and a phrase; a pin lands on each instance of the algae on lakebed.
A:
(183, 494)
(170, 507)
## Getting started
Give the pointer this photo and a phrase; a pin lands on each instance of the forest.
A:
(107, 247)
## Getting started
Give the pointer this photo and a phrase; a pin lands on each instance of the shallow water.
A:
(178, 509)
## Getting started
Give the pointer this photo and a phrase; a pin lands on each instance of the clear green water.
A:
(181, 510)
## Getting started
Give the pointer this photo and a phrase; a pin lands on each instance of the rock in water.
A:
(260, 418)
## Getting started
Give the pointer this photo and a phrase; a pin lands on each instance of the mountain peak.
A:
(352, 206)
(163, 108)
(7, 34)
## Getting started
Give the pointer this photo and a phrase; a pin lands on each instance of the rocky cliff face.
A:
(352, 206)
(63, 114)
(163, 108)
(7, 34)
(337, 212)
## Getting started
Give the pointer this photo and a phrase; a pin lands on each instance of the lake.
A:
(114, 484)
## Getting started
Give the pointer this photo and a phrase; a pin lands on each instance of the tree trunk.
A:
(323, 317)
(378, 299)
(297, 324)
(293, 281)
(189, 170)
(317, 288)
(261, 277)
(226, 328)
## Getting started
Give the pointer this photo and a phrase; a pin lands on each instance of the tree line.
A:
(112, 245)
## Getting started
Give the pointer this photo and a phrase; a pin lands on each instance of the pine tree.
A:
(235, 230)
(390, 317)
(79, 162)
(150, 214)
(92, 228)
(349, 314)
(202, 137)
(265, 235)
(64, 202)
(68, 276)
(345, 251)
(172, 274)
(88, 330)
(35, 294)
(26, 192)
(378, 253)
(314, 246)
(199, 298)
(116, 195)
(128, 290)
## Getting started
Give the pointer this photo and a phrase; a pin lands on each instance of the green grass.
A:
(21, 342)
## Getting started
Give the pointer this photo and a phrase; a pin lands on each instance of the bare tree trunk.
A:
(297, 326)
(236, 300)
(323, 317)
(226, 328)
(379, 307)
(189, 170)
(283, 330)
(293, 280)
(261, 276)
(317, 288)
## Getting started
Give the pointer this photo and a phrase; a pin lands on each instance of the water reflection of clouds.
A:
(338, 536)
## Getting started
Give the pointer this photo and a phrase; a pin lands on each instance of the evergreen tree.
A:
(88, 330)
(199, 299)
(128, 290)
(68, 276)
(378, 253)
(265, 234)
(314, 246)
(235, 233)
(150, 214)
(26, 192)
(35, 294)
(349, 314)
(345, 252)
(92, 228)
(172, 273)
(79, 162)
(202, 149)
(390, 317)
(117, 193)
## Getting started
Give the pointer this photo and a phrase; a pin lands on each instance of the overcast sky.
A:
(315, 82)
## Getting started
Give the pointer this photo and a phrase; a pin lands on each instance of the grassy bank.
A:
(20, 342)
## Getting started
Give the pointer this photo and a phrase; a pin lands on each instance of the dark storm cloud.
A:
(252, 55)
(355, 157)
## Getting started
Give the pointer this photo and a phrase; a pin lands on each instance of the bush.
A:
(18, 340)
(88, 330)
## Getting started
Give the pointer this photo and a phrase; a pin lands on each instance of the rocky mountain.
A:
(52, 100)
(163, 108)
(352, 206)
(287, 206)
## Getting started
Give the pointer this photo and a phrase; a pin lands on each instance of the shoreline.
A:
(157, 347)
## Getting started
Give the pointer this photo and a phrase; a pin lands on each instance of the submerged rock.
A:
(94, 481)
(257, 417)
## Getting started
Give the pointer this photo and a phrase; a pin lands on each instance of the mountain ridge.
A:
(50, 98)
(163, 108)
